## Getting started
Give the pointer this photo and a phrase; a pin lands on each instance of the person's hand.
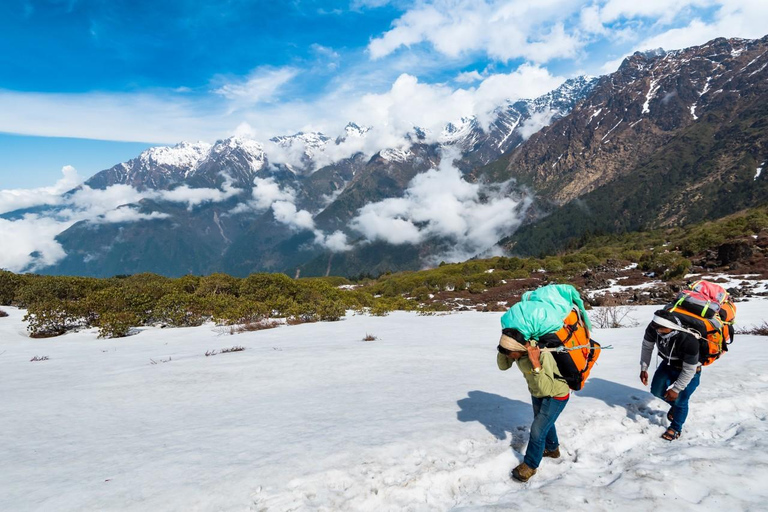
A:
(670, 395)
(644, 378)
(533, 354)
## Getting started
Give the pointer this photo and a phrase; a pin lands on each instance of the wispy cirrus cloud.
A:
(262, 85)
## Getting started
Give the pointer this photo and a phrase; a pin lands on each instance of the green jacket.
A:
(543, 384)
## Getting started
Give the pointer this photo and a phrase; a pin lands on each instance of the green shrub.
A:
(117, 324)
(240, 311)
(575, 267)
(180, 310)
(552, 264)
(632, 255)
(476, 287)
(50, 317)
(9, 284)
(667, 265)
(56, 288)
(330, 310)
(218, 284)
(509, 263)
(268, 287)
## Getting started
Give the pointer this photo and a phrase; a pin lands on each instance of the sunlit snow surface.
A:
(310, 417)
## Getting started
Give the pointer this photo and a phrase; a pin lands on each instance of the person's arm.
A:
(649, 340)
(503, 362)
(545, 377)
(690, 356)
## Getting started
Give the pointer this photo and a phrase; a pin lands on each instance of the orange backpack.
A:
(710, 310)
(573, 350)
(709, 332)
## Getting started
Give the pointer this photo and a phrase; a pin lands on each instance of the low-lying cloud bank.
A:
(441, 204)
(438, 206)
(29, 238)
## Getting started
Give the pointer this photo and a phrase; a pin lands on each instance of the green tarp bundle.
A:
(543, 310)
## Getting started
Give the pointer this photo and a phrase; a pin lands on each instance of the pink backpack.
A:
(702, 298)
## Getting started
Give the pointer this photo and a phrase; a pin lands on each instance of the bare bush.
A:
(236, 348)
(36, 358)
(254, 326)
(370, 337)
(209, 353)
(755, 330)
(301, 319)
(612, 315)
(152, 361)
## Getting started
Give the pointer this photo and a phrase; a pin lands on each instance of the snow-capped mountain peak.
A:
(314, 140)
(354, 130)
(458, 130)
(248, 146)
(182, 155)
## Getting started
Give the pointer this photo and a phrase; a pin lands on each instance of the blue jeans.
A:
(543, 433)
(664, 377)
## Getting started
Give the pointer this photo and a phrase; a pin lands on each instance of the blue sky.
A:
(90, 83)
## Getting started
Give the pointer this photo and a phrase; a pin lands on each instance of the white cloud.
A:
(502, 29)
(29, 243)
(265, 193)
(285, 212)
(526, 82)
(126, 214)
(262, 85)
(16, 199)
(440, 203)
(731, 18)
(661, 11)
(358, 4)
(613, 65)
(94, 201)
(536, 122)
(336, 242)
(197, 196)
(589, 20)
(469, 77)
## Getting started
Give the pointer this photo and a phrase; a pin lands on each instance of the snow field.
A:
(310, 417)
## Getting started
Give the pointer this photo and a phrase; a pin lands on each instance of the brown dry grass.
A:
(755, 330)
(254, 326)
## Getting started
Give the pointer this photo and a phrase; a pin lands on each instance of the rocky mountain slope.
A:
(670, 138)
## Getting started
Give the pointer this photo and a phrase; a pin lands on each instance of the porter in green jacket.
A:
(549, 395)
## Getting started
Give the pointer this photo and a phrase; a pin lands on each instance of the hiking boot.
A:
(523, 472)
(552, 454)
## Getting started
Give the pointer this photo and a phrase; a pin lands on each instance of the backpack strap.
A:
(672, 325)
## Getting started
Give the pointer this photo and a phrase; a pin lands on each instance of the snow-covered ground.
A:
(310, 417)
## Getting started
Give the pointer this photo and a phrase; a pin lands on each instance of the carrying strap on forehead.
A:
(663, 322)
